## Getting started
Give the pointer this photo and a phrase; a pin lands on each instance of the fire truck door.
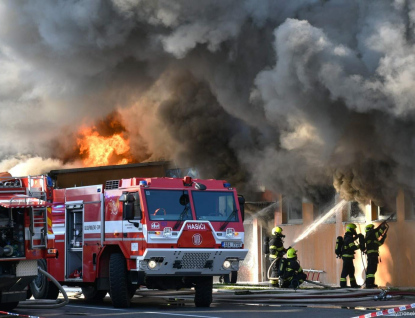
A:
(132, 232)
(93, 233)
(132, 227)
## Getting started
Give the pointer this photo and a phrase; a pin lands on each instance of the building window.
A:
(292, 207)
(384, 213)
(324, 205)
(356, 212)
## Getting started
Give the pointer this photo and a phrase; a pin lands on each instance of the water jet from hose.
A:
(338, 207)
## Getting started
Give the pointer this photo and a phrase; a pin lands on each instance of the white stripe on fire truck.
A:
(124, 239)
(92, 227)
(58, 229)
(37, 235)
(120, 227)
(92, 239)
(133, 239)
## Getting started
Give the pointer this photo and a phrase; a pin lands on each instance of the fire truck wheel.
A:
(91, 294)
(231, 278)
(120, 287)
(203, 291)
(8, 306)
(41, 287)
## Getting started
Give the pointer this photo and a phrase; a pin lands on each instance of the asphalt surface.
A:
(225, 305)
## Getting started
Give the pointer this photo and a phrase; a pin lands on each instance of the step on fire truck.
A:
(25, 236)
(162, 233)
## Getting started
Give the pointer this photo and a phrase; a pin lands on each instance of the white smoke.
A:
(24, 165)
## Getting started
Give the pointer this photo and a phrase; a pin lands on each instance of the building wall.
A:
(316, 251)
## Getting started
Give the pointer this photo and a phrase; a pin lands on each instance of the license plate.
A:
(231, 244)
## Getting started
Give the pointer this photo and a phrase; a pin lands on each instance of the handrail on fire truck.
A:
(36, 187)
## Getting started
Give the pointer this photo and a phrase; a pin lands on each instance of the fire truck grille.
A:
(112, 184)
(194, 260)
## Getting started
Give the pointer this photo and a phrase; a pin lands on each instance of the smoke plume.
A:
(292, 95)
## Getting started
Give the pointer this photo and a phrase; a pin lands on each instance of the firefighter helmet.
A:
(369, 227)
(276, 230)
(351, 227)
(291, 253)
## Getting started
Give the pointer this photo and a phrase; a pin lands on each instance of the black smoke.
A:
(292, 95)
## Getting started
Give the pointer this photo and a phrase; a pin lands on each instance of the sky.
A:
(297, 96)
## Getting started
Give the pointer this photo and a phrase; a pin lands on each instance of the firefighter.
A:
(276, 252)
(372, 251)
(348, 250)
(293, 275)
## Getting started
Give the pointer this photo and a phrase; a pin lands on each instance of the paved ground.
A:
(226, 305)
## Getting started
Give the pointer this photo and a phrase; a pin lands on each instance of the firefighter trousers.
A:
(372, 267)
(348, 270)
(294, 281)
(274, 270)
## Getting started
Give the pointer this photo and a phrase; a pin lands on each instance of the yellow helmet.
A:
(276, 230)
(351, 227)
(291, 253)
(369, 227)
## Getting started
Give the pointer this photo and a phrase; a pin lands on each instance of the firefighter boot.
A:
(343, 283)
(273, 283)
(370, 283)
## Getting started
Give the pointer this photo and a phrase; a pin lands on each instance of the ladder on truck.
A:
(38, 215)
(38, 227)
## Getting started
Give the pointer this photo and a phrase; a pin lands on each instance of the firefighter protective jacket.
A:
(373, 242)
(276, 246)
(292, 268)
(349, 247)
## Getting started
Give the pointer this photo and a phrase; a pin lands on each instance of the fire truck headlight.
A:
(152, 264)
(230, 232)
(226, 264)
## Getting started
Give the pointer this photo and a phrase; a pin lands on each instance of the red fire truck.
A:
(25, 235)
(162, 233)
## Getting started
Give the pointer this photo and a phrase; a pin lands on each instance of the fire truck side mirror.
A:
(131, 206)
(241, 201)
(128, 213)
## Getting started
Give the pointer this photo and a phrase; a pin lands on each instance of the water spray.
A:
(333, 211)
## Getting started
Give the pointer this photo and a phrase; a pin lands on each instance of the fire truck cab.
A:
(162, 233)
(25, 234)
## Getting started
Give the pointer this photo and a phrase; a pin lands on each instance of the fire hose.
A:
(304, 297)
(46, 303)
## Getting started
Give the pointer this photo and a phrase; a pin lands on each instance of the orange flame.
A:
(100, 150)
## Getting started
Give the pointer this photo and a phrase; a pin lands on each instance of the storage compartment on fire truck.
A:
(11, 233)
(74, 241)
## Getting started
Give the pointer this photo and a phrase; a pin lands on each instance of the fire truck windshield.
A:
(165, 205)
(214, 205)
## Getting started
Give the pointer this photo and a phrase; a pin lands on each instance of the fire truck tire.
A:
(41, 287)
(91, 293)
(8, 306)
(203, 291)
(231, 278)
(120, 287)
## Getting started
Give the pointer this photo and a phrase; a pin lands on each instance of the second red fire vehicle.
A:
(162, 233)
